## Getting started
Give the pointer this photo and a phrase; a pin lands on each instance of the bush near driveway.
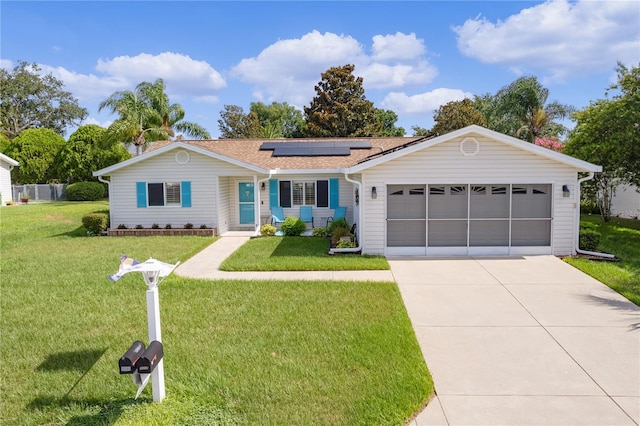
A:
(620, 237)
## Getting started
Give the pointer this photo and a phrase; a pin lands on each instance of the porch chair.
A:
(277, 216)
(338, 213)
(306, 214)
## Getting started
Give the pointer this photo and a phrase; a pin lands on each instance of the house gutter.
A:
(577, 231)
(259, 182)
(359, 226)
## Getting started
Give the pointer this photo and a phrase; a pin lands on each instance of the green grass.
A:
(620, 237)
(297, 254)
(236, 352)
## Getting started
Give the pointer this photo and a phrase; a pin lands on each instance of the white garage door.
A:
(469, 219)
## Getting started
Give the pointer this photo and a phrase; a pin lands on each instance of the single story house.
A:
(626, 202)
(6, 165)
(469, 192)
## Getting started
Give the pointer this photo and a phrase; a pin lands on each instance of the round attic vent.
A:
(182, 157)
(469, 146)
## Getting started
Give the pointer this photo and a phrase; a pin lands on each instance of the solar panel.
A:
(316, 148)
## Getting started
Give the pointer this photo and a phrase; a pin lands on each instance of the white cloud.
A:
(423, 103)
(397, 47)
(288, 70)
(6, 64)
(558, 37)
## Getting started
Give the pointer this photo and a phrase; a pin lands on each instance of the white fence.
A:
(40, 192)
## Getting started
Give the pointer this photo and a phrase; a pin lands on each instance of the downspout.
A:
(259, 186)
(359, 225)
(108, 182)
(577, 231)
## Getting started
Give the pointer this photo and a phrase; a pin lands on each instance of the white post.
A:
(153, 319)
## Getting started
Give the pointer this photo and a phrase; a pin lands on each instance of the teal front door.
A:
(246, 206)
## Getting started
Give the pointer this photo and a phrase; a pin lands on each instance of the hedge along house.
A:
(6, 165)
(469, 192)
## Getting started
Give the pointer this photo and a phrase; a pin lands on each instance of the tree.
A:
(30, 101)
(340, 108)
(235, 124)
(145, 115)
(36, 150)
(522, 110)
(86, 151)
(385, 124)
(607, 133)
(279, 120)
(456, 115)
(420, 131)
(169, 116)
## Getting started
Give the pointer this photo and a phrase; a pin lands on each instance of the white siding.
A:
(201, 171)
(494, 163)
(5, 181)
(320, 215)
(625, 202)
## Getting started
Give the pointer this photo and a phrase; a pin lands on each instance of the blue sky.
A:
(413, 56)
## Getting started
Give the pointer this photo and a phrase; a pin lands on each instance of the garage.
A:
(469, 219)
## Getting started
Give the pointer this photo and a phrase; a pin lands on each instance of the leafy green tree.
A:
(169, 116)
(36, 150)
(340, 108)
(607, 133)
(145, 115)
(86, 151)
(385, 124)
(420, 131)
(456, 115)
(235, 124)
(29, 101)
(279, 120)
(522, 111)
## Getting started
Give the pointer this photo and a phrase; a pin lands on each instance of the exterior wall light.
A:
(374, 193)
(565, 191)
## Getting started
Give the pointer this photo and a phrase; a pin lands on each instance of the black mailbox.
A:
(128, 361)
(150, 358)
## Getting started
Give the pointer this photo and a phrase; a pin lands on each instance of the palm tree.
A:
(147, 116)
(523, 106)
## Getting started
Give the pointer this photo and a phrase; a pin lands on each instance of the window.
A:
(304, 193)
(164, 194)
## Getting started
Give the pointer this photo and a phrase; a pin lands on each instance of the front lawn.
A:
(620, 237)
(297, 254)
(236, 352)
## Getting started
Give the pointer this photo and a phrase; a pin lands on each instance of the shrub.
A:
(155, 226)
(167, 226)
(188, 226)
(339, 233)
(122, 226)
(203, 226)
(96, 223)
(319, 232)
(589, 239)
(589, 207)
(338, 223)
(267, 230)
(139, 227)
(293, 226)
(85, 191)
(346, 244)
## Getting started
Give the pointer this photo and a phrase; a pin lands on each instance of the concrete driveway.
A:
(530, 341)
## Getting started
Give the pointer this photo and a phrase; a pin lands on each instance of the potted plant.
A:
(24, 198)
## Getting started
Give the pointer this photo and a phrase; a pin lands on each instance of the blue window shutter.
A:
(185, 193)
(334, 193)
(273, 193)
(141, 194)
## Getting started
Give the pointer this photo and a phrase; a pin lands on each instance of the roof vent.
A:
(469, 146)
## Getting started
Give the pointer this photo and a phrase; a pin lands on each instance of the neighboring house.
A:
(626, 202)
(6, 165)
(469, 192)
